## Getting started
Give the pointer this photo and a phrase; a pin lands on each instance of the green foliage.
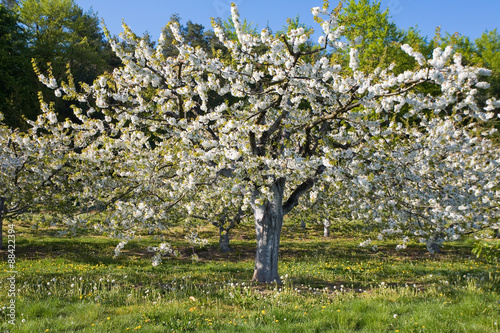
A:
(9, 3)
(461, 44)
(295, 24)
(194, 34)
(18, 83)
(381, 41)
(489, 251)
(488, 55)
(59, 32)
(246, 27)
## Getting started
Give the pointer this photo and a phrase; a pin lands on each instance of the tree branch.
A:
(293, 200)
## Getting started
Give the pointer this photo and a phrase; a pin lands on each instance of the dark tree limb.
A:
(293, 200)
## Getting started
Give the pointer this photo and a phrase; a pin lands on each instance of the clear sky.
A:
(468, 17)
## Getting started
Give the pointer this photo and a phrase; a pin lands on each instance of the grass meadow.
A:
(73, 284)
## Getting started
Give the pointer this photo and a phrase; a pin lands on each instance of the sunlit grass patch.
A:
(75, 285)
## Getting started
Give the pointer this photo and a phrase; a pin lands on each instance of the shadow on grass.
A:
(99, 250)
(81, 249)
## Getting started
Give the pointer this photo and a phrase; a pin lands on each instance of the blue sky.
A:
(467, 17)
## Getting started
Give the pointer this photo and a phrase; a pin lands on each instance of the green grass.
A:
(75, 285)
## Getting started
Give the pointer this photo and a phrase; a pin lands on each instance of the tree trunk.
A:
(224, 240)
(326, 228)
(268, 224)
(2, 210)
(433, 245)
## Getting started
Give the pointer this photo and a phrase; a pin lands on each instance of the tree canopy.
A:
(252, 130)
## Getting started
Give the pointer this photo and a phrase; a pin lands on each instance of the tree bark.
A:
(303, 224)
(326, 228)
(268, 224)
(224, 240)
(433, 245)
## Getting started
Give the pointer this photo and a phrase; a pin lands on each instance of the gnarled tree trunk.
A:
(268, 224)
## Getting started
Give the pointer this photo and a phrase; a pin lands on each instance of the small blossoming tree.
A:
(33, 173)
(255, 130)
